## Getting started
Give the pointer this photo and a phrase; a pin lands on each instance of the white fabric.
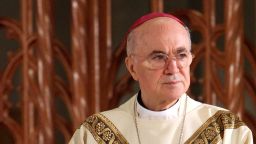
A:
(169, 113)
(155, 128)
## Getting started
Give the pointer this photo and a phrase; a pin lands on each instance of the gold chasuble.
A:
(203, 124)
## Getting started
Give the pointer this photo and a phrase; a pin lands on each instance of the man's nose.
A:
(171, 66)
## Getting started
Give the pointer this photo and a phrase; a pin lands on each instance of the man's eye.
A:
(182, 55)
(159, 57)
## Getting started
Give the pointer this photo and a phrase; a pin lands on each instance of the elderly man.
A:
(159, 58)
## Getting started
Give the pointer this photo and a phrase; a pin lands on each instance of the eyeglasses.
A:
(159, 60)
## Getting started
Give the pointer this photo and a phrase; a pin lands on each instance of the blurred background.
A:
(62, 60)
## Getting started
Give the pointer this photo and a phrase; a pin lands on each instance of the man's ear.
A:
(130, 66)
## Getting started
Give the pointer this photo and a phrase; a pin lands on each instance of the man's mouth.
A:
(172, 82)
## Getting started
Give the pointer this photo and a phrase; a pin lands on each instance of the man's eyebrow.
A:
(177, 51)
(157, 52)
(180, 50)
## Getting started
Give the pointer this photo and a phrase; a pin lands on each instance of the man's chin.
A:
(174, 93)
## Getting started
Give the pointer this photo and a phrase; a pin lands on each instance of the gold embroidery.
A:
(211, 132)
(103, 130)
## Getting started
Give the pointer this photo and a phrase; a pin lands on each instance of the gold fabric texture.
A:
(211, 132)
(103, 130)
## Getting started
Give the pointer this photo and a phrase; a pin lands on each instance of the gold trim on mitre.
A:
(211, 132)
(103, 130)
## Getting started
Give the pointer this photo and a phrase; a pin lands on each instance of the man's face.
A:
(160, 86)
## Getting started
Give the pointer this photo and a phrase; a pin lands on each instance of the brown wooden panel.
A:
(79, 62)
